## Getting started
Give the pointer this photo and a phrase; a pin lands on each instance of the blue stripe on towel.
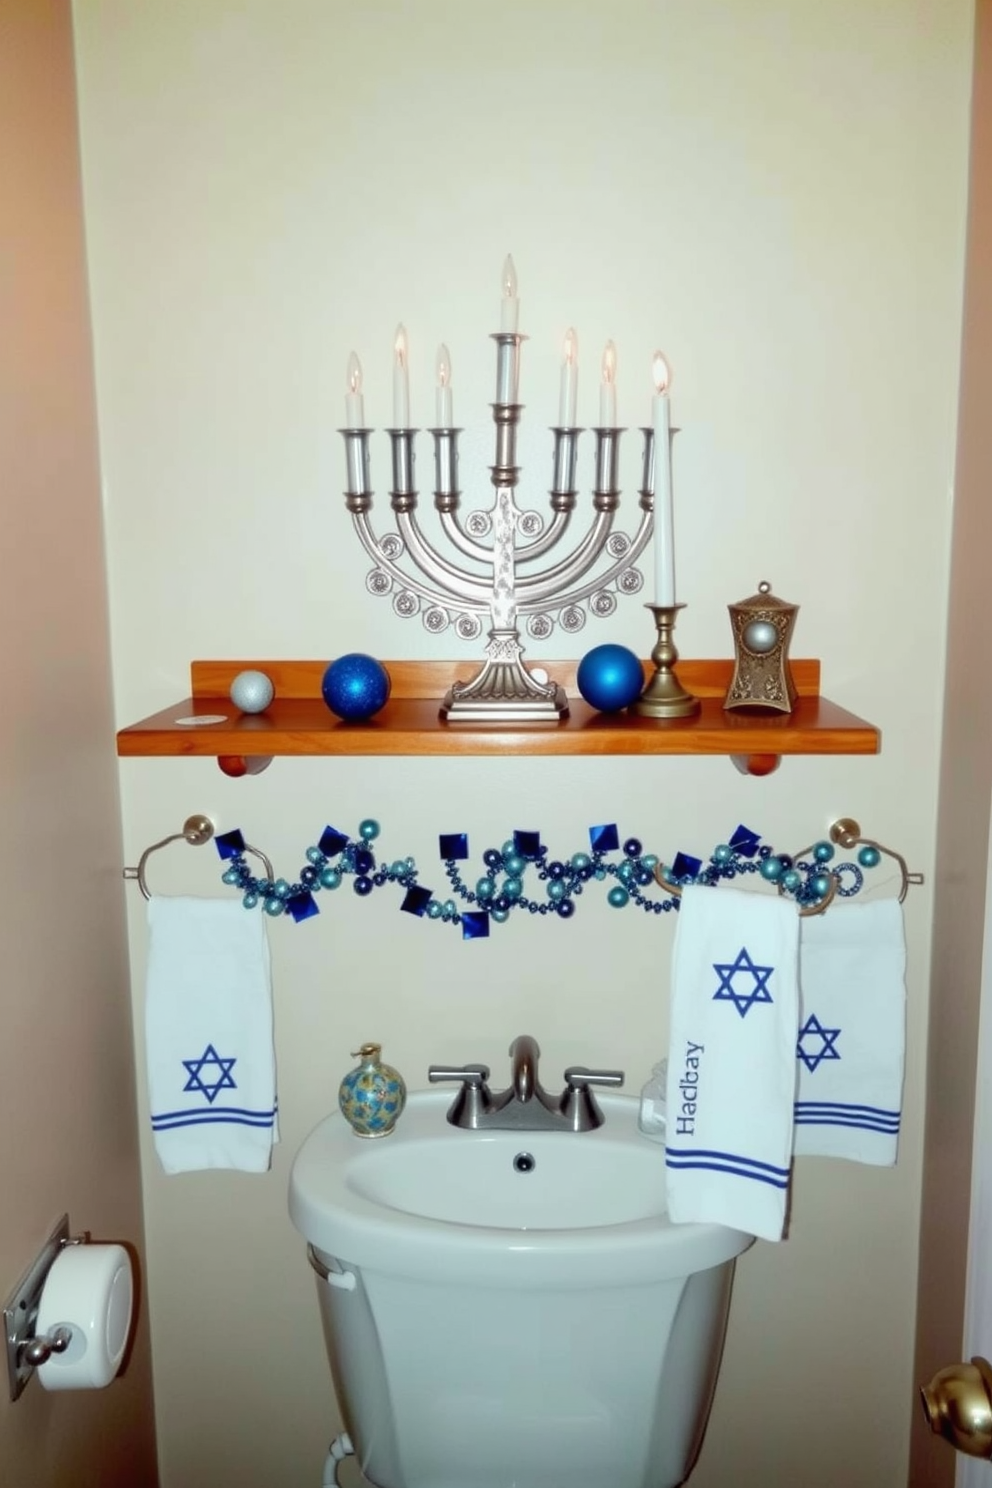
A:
(837, 1113)
(234, 1115)
(726, 1162)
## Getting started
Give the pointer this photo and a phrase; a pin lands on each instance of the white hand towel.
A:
(732, 1060)
(852, 1032)
(208, 1035)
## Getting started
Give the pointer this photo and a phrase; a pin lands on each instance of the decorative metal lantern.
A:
(762, 626)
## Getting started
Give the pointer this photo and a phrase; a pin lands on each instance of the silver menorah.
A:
(510, 571)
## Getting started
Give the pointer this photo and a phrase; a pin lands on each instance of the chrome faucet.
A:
(524, 1105)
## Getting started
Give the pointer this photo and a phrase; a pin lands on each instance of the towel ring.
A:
(846, 833)
(811, 909)
(196, 831)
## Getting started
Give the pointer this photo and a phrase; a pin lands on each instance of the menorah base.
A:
(504, 692)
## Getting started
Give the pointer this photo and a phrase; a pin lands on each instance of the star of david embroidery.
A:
(813, 1058)
(223, 1081)
(743, 966)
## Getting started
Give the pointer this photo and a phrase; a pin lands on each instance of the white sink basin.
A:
(435, 1197)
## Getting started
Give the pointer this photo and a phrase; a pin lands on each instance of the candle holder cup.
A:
(664, 697)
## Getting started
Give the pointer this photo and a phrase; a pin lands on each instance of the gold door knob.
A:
(958, 1405)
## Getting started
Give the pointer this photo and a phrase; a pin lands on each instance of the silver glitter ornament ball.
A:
(252, 692)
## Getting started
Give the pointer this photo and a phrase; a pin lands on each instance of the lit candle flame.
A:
(661, 372)
(509, 279)
(443, 367)
(400, 346)
(354, 374)
(609, 363)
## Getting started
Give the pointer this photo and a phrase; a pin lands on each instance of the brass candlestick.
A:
(664, 696)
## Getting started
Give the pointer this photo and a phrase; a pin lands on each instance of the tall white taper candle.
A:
(509, 308)
(354, 403)
(664, 519)
(568, 394)
(608, 388)
(442, 395)
(401, 380)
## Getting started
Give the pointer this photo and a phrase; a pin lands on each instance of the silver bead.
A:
(252, 692)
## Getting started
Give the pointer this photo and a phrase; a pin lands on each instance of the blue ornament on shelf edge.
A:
(610, 678)
(355, 686)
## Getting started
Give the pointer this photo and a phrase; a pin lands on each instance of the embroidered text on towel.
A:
(685, 1120)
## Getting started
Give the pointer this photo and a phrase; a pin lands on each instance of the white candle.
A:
(401, 380)
(354, 403)
(509, 307)
(664, 521)
(569, 381)
(608, 389)
(442, 397)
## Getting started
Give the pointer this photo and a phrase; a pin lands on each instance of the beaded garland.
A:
(500, 890)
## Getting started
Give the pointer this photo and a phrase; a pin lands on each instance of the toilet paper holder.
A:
(25, 1350)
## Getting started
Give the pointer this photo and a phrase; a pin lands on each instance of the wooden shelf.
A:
(299, 723)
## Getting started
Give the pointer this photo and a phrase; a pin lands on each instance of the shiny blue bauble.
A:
(610, 678)
(355, 686)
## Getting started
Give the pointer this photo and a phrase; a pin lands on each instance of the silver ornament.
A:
(252, 692)
(760, 636)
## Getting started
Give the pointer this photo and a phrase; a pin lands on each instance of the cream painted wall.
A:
(68, 1138)
(773, 192)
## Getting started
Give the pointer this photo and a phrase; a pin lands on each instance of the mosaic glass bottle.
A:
(372, 1096)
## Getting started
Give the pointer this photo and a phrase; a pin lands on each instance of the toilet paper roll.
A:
(89, 1290)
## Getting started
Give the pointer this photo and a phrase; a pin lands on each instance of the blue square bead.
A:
(745, 842)
(453, 845)
(302, 906)
(332, 841)
(475, 924)
(604, 839)
(230, 844)
(527, 844)
(416, 900)
(686, 866)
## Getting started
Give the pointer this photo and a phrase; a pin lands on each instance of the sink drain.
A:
(524, 1162)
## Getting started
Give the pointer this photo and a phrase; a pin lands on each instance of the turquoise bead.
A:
(513, 888)
(618, 897)
(722, 853)
(823, 852)
(274, 907)
(434, 910)
(250, 900)
(499, 915)
(484, 888)
(869, 857)
(330, 878)
(771, 868)
(514, 864)
(556, 890)
(580, 860)
(650, 861)
(315, 856)
(369, 830)
(821, 885)
(280, 888)
(792, 880)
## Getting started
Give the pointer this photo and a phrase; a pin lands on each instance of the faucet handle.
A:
(473, 1100)
(577, 1076)
(578, 1104)
(469, 1074)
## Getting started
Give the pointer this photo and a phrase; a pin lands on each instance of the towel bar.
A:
(196, 831)
(845, 833)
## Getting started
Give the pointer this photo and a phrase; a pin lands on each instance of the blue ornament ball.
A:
(355, 686)
(610, 678)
